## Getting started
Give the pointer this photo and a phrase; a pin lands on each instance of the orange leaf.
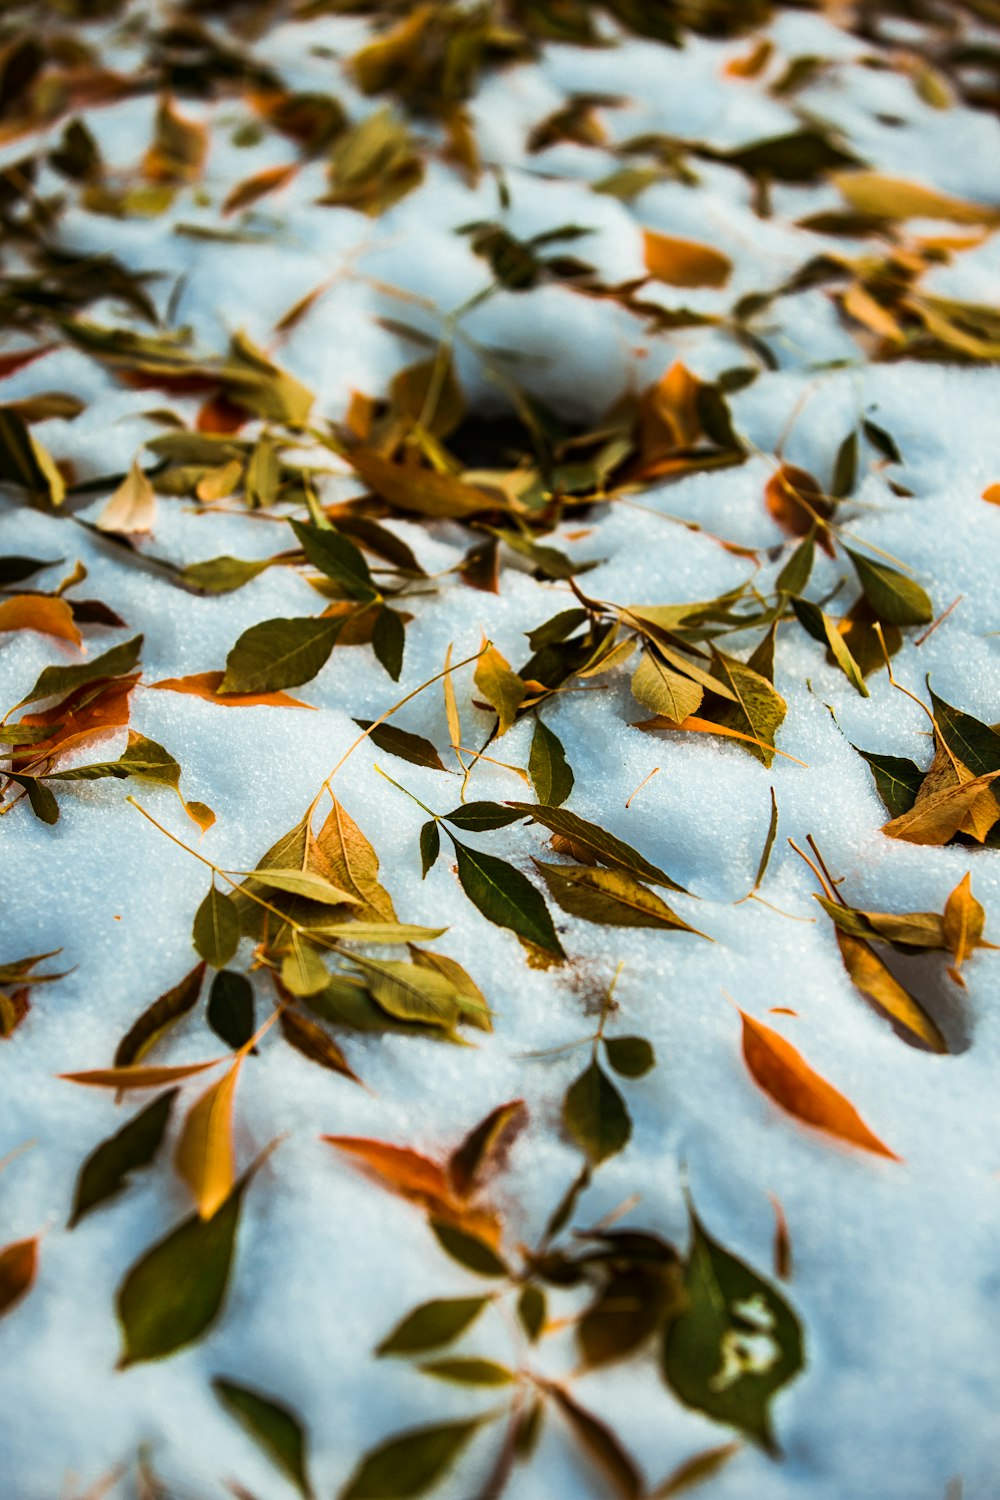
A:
(413, 488)
(219, 414)
(91, 709)
(206, 685)
(179, 147)
(681, 262)
(138, 1077)
(18, 1265)
(788, 1079)
(36, 612)
(205, 1156)
(397, 1167)
(992, 494)
(258, 186)
(795, 499)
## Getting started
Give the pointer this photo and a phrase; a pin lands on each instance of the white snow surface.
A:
(896, 1277)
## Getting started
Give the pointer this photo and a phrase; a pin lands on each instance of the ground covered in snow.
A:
(668, 341)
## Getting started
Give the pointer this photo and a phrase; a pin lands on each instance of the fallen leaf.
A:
(681, 262)
(207, 684)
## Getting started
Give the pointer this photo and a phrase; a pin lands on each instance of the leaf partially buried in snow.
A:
(132, 508)
(208, 685)
(106, 1171)
(37, 612)
(275, 1428)
(278, 654)
(784, 1075)
(681, 262)
(410, 1464)
(174, 1292)
(735, 1344)
(608, 896)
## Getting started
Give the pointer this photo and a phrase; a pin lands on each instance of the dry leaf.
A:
(680, 262)
(205, 1156)
(132, 508)
(206, 685)
(873, 979)
(38, 612)
(788, 1079)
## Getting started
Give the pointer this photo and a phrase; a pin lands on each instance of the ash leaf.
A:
(217, 928)
(506, 897)
(550, 771)
(222, 575)
(432, 1325)
(630, 1056)
(389, 640)
(279, 653)
(607, 896)
(481, 817)
(430, 847)
(106, 1171)
(410, 1464)
(605, 847)
(175, 1291)
(338, 558)
(410, 747)
(594, 1113)
(896, 599)
(274, 1427)
(736, 1343)
(159, 1017)
(230, 1010)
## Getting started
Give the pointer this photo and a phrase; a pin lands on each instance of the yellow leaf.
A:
(36, 612)
(937, 818)
(205, 1156)
(500, 686)
(787, 1078)
(132, 507)
(870, 975)
(964, 920)
(898, 198)
(681, 262)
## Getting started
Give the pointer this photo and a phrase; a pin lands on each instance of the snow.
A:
(895, 1265)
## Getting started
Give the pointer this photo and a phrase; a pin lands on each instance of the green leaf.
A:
(822, 628)
(607, 896)
(882, 440)
(506, 897)
(221, 575)
(159, 1017)
(303, 883)
(735, 1344)
(114, 663)
(759, 708)
(664, 691)
(275, 1428)
(410, 992)
(217, 928)
(411, 747)
(41, 801)
(231, 1008)
(557, 629)
(105, 1172)
(481, 817)
(594, 1113)
(15, 569)
(550, 771)
(468, 1371)
(532, 1311)
(25, 462)
(432, 1325)
(338, 558)
(795, 574)
(974, 744)
(468, 1249)
(845, 467)
(630, 1056)
(410, 1464)
(174, 1292)
(389, 641)
(896, 599)
(897, 780)
(430, 846)
(279, 654)
(605, 847)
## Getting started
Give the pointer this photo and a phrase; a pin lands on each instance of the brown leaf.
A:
(937, 818)
(681, 262)
(132, 508)
(423, 491)
(485, 1147)
(139, 1077)
(874, 980)
(18, 1266)
(788, 1079)
(313, 1042)
(795, 499)
(258, 186)
(179, 147)
(91, 710)
(964, 920)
